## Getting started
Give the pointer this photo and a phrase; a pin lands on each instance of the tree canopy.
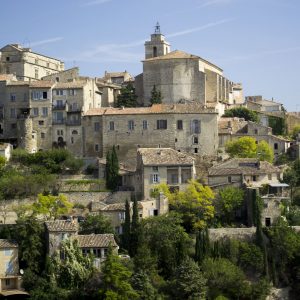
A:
(246, 147)
(242, 112)
(112, 169)
(156, 97)
(127, 96)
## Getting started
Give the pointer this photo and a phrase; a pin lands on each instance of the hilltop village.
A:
(168, 185)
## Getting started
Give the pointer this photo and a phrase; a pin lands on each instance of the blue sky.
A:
(256, 42)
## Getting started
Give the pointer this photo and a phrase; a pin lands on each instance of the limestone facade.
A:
(27, 65)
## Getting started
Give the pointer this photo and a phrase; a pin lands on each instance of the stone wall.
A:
(241, 234)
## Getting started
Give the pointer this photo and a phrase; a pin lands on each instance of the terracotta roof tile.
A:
(62, 226)
(41, 84)
(96, 240)
(69, 85)
(8, 243)
(164, 156)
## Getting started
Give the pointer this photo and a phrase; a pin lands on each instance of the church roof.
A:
(178, 54)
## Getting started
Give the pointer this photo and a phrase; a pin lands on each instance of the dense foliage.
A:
(127, 96)
(242, 112)
(156, 97)
(112, 169)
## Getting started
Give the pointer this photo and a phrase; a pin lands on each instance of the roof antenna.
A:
(157, 28)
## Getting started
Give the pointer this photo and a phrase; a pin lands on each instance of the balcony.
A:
(59, 107)
(73, 122)
(58, 121)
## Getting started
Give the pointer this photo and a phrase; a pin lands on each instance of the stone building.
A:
(162, 165)
(27, 65)
(240, 172)
(181, 76)
(234, 128)
(183, 127)
(10, 279)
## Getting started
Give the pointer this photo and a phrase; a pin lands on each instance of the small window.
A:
(112, 125)
(196, 126)
(268, 222)
(45, 95)
(97, 147)
(35, 111)
(12, 97)
(7, 58)
(196, 150)
(42, 135)
(97, 126)
(275, 146)
(154, 178)
(229, 179)
(179, 124)
(145, 125)
(72, 140)
(161, 124)
(74, 132)
(7, 282)
(41, 122)
(13, 113)
(254, 178)
(195, 140)
(130, 125)
(44, 111)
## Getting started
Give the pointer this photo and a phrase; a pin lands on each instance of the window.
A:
(9, 267)
(13, 113)
(41, 122)
(161, 124)
(195, 140)
(60, 92)
(154, 51)
(196, 150)
(155, 168)
(7, 282)
(275, 146)
(7, 58)
(255, 131)
(145, 125)
(13, 126)
(112, 125)
(60, 132)
(8, 252)
(195, 127)
(97, 126)
(72, 92)
(72, 140)
(44, 111)
(74, 132)
(97, 147)
(130, 125)
(229, 179)
(45, 95)
(254, 178)
(179, 125)
(37, 95)
(42, 135)
(268, 222)
(122, 216)
(12, 97)
(35, 111)
(154, 178)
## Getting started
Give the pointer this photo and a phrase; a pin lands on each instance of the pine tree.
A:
(156, 97)
(134, 228)
(127, 97)
(126, 227)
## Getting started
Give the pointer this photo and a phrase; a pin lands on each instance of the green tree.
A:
(112, 169)
(50, 206)
(167, 241)
(225, 278)
(135, 228)
(127, 96)
(75, 269)
(242, 112)
(115, 283)
(278, 125)
(126, 227)
(264, 152)
(97, 224)
(188, 282)
(295, 132)
(156, 97)
(202, 247)
(228, 201)
(195, 204)
(142, 284)
(245, 147)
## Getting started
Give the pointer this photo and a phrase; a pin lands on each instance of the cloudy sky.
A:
(256, 42)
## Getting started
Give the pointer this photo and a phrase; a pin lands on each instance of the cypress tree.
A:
(134, 228)
(126, 227)
(199, 247)
(156, 97)
(108, 170)
(112, 169)
(127, 97)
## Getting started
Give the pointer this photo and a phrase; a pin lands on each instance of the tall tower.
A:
(157, 46)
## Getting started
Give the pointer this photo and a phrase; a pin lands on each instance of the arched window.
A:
(154, 51)
(74, 132)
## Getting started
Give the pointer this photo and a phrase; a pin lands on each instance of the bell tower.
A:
(157, 46)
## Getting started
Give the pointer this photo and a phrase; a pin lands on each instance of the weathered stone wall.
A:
(241, 234)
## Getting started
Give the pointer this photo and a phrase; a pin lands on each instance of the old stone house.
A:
(25, 64)
(58, 231)
(10, 278)
(183, 127)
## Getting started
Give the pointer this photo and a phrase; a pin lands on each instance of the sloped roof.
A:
(96, 240)
(192, 108)
(164, 156)
(73, 84)
(4, 243)
(41, 84)
(62, 226)
(245, 166)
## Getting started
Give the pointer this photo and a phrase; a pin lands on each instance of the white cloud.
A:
(95, 2)
(47, 41)
(200, 28)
